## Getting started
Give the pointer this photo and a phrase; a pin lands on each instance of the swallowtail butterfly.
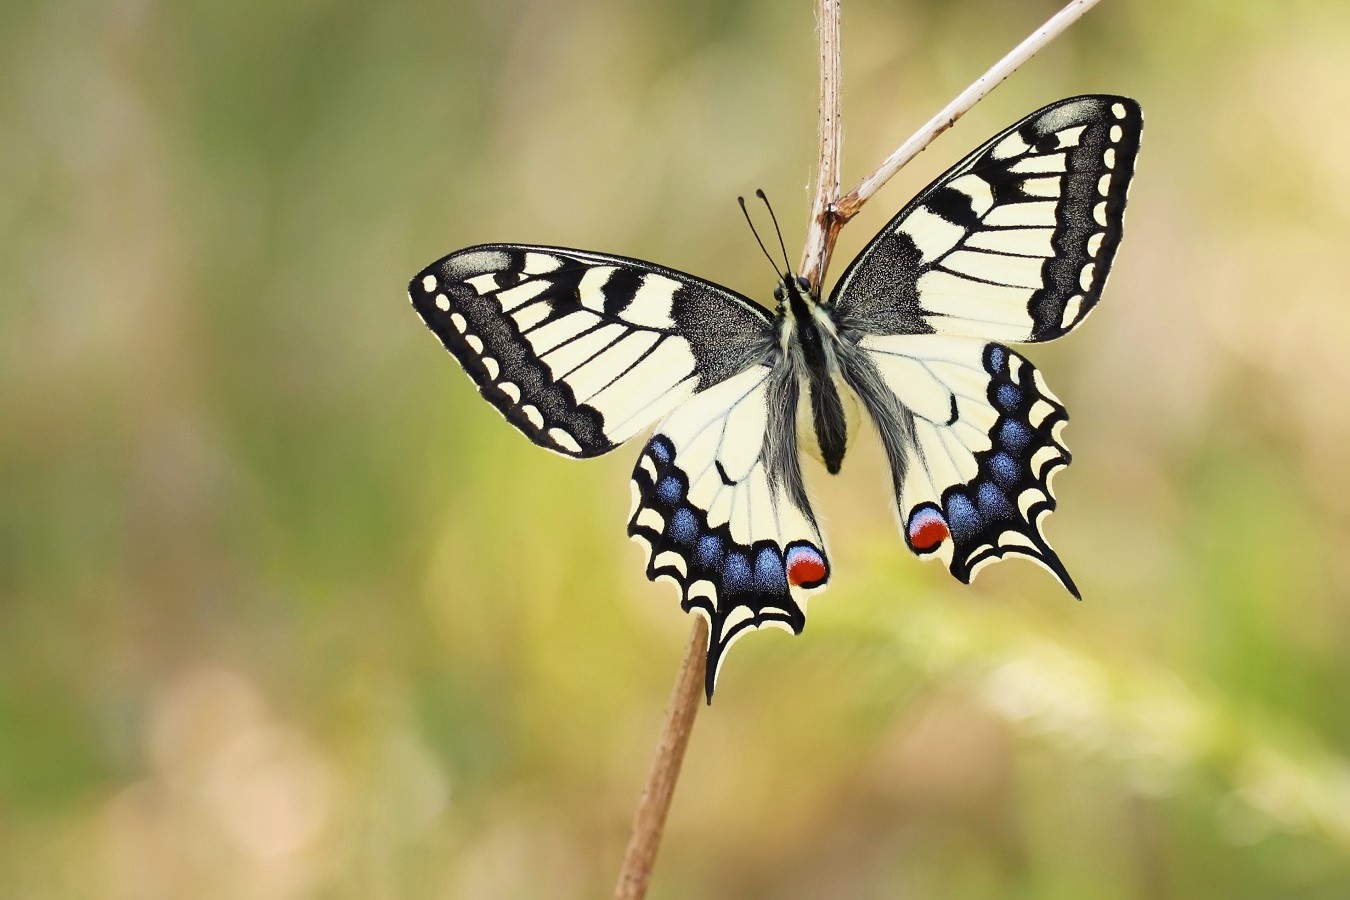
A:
(581, 351)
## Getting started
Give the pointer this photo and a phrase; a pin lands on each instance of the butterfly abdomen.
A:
(827, 416)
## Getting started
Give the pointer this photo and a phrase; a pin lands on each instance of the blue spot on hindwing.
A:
(1014, 435)
(997, 356)
(1007, 397)
(993, 503)
(736, 572)
(769, 574)
(660, 450)
(1004, 468)
(670, 490)
(710, 551)
(962, 517)
(683, 526)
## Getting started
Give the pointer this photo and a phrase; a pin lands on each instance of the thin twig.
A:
(825, 227)
(650, 821)
(831, 133)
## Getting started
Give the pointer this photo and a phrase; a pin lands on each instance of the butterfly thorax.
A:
(807, 338)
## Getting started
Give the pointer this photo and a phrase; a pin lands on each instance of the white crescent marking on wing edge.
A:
(1039, 412)
(564, 440)
(1071, 310)
(1085, 277)
(672, 559)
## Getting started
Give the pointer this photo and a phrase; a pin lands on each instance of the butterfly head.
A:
(795, 297)
(793, 292)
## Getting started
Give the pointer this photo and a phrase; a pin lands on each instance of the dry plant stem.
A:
(650, 821)
(831, 134)
(826, 224)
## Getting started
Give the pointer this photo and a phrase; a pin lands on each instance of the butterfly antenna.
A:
(760, 194)
(745, 212)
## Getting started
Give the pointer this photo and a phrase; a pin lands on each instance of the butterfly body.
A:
(581, 351)
(808, 344)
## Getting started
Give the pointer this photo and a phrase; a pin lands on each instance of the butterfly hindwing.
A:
(721, 509)
(983, 440)
(580, 351)
(1014, 242)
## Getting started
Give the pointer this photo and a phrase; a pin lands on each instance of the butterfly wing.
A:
(721, 509)
(580, 351)
(973, 438)
(1014, 242)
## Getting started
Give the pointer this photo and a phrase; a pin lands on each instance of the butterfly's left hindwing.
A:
(720, 507)
(581, 351)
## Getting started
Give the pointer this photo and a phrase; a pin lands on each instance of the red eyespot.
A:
(927, 529)
(806, 567)
(929, 535)
(805, 570)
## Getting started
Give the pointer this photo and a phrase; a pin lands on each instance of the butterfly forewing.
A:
(1014, 242)
(581, 351)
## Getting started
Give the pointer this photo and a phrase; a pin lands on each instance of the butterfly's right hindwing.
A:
(580, 351)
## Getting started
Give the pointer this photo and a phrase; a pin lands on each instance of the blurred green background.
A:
(287, 612)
